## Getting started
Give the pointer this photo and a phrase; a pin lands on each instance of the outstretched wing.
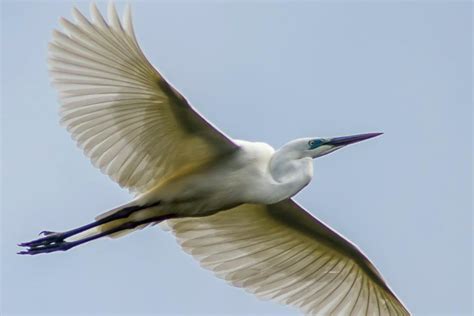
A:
(283, 253)
(129, 121)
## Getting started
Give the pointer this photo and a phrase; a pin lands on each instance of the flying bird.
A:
(228, 202)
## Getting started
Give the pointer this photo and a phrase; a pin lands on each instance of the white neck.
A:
(290, 172)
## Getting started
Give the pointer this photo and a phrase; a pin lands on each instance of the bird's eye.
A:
(314, 143)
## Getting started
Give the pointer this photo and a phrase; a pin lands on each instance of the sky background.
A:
(266, 72)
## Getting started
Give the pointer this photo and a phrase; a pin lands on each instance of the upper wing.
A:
(129, 121)
(281, 252)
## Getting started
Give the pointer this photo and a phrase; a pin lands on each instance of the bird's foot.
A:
(49, 238)
(60, 246)
(51, 242)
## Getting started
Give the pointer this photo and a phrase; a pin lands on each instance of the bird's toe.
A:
(46, 233)
(46, 248)
(49, 238)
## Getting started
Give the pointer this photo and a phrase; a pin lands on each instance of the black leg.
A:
(62, 245)
(57, 237)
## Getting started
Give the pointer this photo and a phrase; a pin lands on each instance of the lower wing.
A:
(281, 252)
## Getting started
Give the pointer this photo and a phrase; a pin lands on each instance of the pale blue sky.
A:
(267, 72)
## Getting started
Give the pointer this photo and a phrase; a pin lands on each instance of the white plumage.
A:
(281, 252)
(228, 202)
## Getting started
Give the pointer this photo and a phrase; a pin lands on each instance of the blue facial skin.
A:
(315, 143)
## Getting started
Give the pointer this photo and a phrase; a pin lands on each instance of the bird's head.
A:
(317, 147)
(292, 162)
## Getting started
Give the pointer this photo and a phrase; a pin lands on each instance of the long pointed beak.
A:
(347, 140)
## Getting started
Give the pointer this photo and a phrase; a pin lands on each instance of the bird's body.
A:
(228, 202)
(251, 174)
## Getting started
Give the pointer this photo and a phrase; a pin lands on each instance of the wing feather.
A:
(133, 125)
(282, 253)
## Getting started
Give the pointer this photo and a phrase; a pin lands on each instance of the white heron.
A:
(228, 202)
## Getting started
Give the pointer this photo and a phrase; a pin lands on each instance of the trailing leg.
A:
(56, 241)
(104, 220)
